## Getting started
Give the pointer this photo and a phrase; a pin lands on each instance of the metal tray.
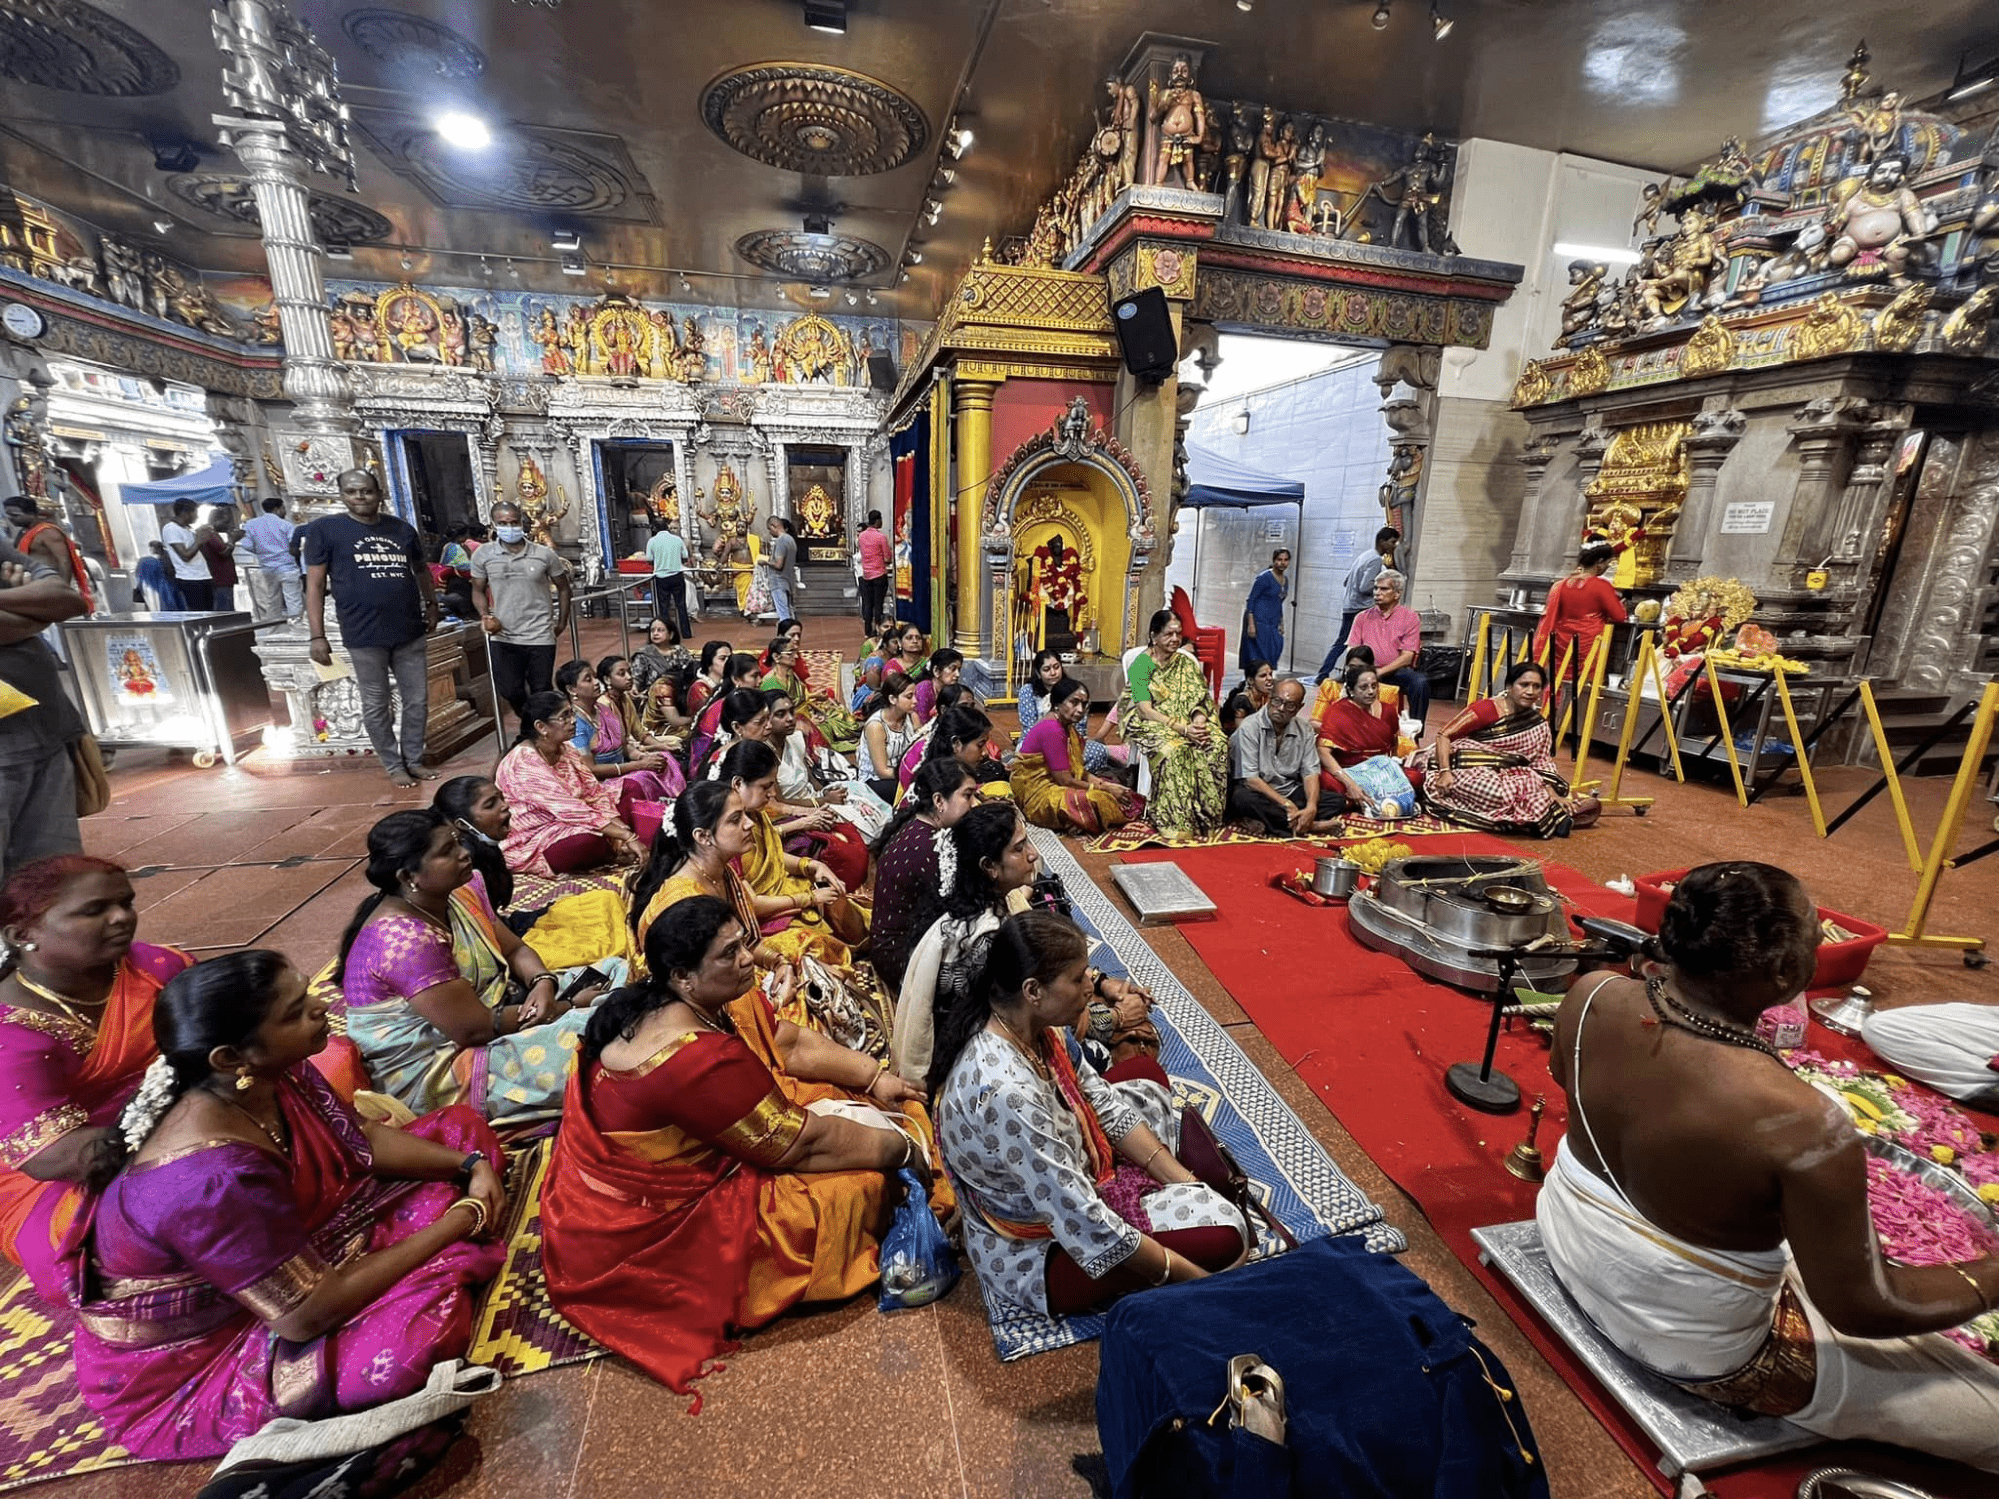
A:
(1162, 893)
(1937, 1175)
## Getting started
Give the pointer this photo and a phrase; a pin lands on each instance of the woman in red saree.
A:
(716, 1166)
(1361, 745)
(1493, 766)
(263, 1253)
(76, 1034)
(1577, 609)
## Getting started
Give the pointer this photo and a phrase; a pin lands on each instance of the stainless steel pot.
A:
(1335, 878)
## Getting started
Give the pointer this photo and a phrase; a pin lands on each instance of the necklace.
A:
(1034, 1062)
(68, 1004)
(1674, 1012)
(269, 1134)
(428, 915)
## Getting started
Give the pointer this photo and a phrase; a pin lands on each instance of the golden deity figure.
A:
(818, 515)
(664, 502)
(531, 491)
(1682, 268)
(1620, 523)
(1876, 127)
(554, 357)
(690, 365)
(811, 348)
(1580, 309)
(1181, 115)
(730, 516)
(763, 368)
(576, 340)
(659, 364)
(1875, 229)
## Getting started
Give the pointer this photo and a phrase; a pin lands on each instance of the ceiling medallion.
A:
(822, 121)
(335, 220)
(65, 44)
(533, 168)
(817, 258)
(413, 44)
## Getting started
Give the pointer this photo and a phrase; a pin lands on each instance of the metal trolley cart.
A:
(175, 681)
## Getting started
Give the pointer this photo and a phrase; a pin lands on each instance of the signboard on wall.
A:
(1747, 517)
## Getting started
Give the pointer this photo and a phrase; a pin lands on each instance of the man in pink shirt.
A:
(1394, 633)
(876, 554)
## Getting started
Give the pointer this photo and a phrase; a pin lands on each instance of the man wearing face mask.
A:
(521, 590)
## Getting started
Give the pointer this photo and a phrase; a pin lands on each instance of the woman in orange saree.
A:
(76, 1034)
(717, 1166)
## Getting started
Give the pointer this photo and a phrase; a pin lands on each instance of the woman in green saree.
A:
(444, 1003)
(1166, 711)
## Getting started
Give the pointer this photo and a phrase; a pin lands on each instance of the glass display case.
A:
(176, 681)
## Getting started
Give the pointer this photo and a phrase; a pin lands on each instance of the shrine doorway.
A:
(431, 483)
(638, 485)
(816, 501)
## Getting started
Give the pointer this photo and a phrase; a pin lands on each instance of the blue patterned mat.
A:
(1289, 1170)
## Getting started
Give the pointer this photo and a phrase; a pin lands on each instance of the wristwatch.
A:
(470, 1165)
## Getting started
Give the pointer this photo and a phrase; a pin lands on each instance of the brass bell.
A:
(1524, 1160)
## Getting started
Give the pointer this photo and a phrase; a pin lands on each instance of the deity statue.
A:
(621, 358)
(1654, 195)
(730, 517)
(1240, 146)
(691, 363)
(413, 331)
(161, 281)
(264, 325)
(664, 502)
(1302, 203)
(818, 515)
(762, 369)
(451, 335)
(554, 357)
(1398, 491)
(1421, 188)
(1260, 165)
(1685, 265)
(659, 359)
(1622, 311)
(809, 348)
(1876, 227)
(1051, 584)
(531, 492)
(1181, 116)
(1283, 169)
(1876, 128)
(123, 276)
(485, 337)
(1124, 118)
(576, 341)
(23, 430)
(193, 304)
(1581, 309)
(1853, 82)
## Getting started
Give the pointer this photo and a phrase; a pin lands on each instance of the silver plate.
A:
(1936, 1175)
(1692, 1434)
(1162, 893)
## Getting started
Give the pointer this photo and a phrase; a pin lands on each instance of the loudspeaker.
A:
(1145, 335)
(881, 372)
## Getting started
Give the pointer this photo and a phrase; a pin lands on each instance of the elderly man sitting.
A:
(1274, 767)
(1394, 633)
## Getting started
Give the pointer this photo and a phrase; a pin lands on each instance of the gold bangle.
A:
(478, 1213)
(1984, 1302)
(1166, 1265)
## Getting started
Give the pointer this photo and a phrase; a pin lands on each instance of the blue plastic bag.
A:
(918, 1263)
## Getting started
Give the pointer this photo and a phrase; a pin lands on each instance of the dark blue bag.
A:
(1387, 1391)
(918, 1263)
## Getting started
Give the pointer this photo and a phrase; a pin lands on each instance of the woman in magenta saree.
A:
(263, 1253)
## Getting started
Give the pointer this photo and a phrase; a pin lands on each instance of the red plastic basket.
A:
(1839, 963)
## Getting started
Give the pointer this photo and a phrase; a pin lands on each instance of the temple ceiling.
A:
(699, 135)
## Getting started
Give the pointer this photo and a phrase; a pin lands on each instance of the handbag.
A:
(93, 786)
(1209, 1160)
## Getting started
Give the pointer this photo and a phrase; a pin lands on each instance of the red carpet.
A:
(1373, 1038)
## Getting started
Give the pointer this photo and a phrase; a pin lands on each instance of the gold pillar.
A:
(973, 400)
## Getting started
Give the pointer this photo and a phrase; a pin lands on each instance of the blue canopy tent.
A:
(1217, 482)
(214, 485)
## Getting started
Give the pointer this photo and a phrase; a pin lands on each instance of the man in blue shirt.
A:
(386, 600)
(270, 541)
(668, 552)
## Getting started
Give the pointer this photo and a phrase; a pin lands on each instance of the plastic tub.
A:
(1839, 963)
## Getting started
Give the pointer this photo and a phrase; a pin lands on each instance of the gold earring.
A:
(244, 1080)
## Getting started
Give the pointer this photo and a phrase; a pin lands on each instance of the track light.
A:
(686, 287)
(820, 293)
(566, 239)
(339, 250)
(407, 264)
(1245, 4)
(467, 132)
(872, 299)
(1381, 16)
(572, 265)
(852, 300)
(904, 276)
(829, 16)
(959, 140)
(914, 257)
(512, 269)
(485, 267)
(163, 226)
(945, 177)
(1441, 25)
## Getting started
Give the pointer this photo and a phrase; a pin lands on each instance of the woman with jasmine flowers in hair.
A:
(263, 1253)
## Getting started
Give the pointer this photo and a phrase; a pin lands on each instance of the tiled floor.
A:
(846, 1401)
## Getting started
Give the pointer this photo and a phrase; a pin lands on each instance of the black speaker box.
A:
(1145, 335)
(881, 372)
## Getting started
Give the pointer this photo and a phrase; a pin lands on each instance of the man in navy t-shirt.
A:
(386, 601)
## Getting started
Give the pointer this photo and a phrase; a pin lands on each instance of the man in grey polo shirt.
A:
(521, 590)
(782, 558)
(1274, 767)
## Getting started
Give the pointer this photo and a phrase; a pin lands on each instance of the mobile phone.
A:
(581, 982)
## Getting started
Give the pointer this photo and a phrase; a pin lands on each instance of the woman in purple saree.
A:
(263, 1253)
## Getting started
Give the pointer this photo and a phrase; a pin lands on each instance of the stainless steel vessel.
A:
(1336, 878)
(1434, 911)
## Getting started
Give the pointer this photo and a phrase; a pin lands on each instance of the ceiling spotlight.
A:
(1381, 17)
(407, 263)
(959, 140)
(163, 226)
(1245, 4)
(339, 250)
(871, 299)
(913, 256)
(852, 300)
(566, 239)
(465, 131)
(904, 276)
(1441, 25)
(829, 16)
(686, 286)
(945, 177)
(572, 265)
(821, 293)
(512, 269)
(610, 278)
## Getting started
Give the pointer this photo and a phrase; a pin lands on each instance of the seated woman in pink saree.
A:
(564, 819)
(76, 1034)
(263, 1253)
(1493, 766)
(628, 772)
